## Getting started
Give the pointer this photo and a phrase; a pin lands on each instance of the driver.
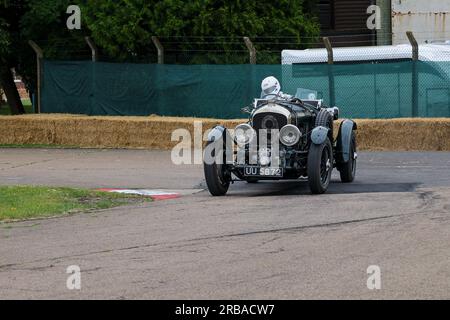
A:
(270, 86)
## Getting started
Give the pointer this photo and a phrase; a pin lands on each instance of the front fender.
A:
(219, 139)
(344, 140)
(216, 133)
(319, 135)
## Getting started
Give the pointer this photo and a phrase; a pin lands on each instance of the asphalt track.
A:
(271, 240)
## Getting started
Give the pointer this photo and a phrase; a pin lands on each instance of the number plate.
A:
(263, 172)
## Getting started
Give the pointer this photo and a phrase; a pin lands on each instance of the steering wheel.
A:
(297, 100)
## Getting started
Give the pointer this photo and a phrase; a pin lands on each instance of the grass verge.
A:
(26, 202)
(5, 111)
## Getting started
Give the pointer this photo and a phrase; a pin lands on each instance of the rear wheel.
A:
(348, 170)
(217, 178)
(320, 167)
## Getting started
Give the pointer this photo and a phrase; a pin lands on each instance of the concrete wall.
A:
(428, 19)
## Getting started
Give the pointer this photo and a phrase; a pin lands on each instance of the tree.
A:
(43, 21)
(124, 28)
(8, 31)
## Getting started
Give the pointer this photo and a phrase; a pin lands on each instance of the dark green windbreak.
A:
(361, 90)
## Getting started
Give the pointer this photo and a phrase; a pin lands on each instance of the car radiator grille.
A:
(269, 121)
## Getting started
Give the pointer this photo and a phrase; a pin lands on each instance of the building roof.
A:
(427, 52)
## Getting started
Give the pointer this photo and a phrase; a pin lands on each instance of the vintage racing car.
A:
(286, 137)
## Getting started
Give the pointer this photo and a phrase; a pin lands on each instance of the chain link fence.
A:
(212, 77)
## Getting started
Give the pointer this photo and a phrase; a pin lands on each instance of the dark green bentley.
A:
(285, 137)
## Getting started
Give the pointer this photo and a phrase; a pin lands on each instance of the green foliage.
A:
(43, 21)
(124, 28)
(197, 31)
(4, 40)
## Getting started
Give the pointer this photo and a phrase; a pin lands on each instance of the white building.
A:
(350, 23)
(429, 20)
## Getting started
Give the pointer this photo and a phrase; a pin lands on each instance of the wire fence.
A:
(215, 50)
(199, 50)
(212, 77)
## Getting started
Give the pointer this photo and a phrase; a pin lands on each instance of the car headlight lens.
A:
(290, 135)
(244, 134)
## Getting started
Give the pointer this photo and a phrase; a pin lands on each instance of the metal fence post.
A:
(39, 57)
(331, 86)
(329, 48)
(159, 48)
(251, 49)
(415, 73)
(93, 48)
(414, 44)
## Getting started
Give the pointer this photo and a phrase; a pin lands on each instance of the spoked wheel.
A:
(320, 167)
(217, 177)
(348, 170)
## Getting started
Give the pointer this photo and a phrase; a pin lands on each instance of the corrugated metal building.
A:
(345, 22)
(427, 19)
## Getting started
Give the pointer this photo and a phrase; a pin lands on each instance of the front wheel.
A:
(320, 167)
(217, 178)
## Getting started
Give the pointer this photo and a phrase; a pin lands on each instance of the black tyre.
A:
(217, 179)
(325, 119)
(348, 170)
(320, 167)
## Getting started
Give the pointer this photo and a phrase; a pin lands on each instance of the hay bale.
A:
(404, 134)
(155, 132)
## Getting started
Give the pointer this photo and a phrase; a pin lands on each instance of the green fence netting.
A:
(361, 90)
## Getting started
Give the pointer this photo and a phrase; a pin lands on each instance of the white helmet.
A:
(270, 85)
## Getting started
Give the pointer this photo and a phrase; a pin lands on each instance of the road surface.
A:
(271, 240)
